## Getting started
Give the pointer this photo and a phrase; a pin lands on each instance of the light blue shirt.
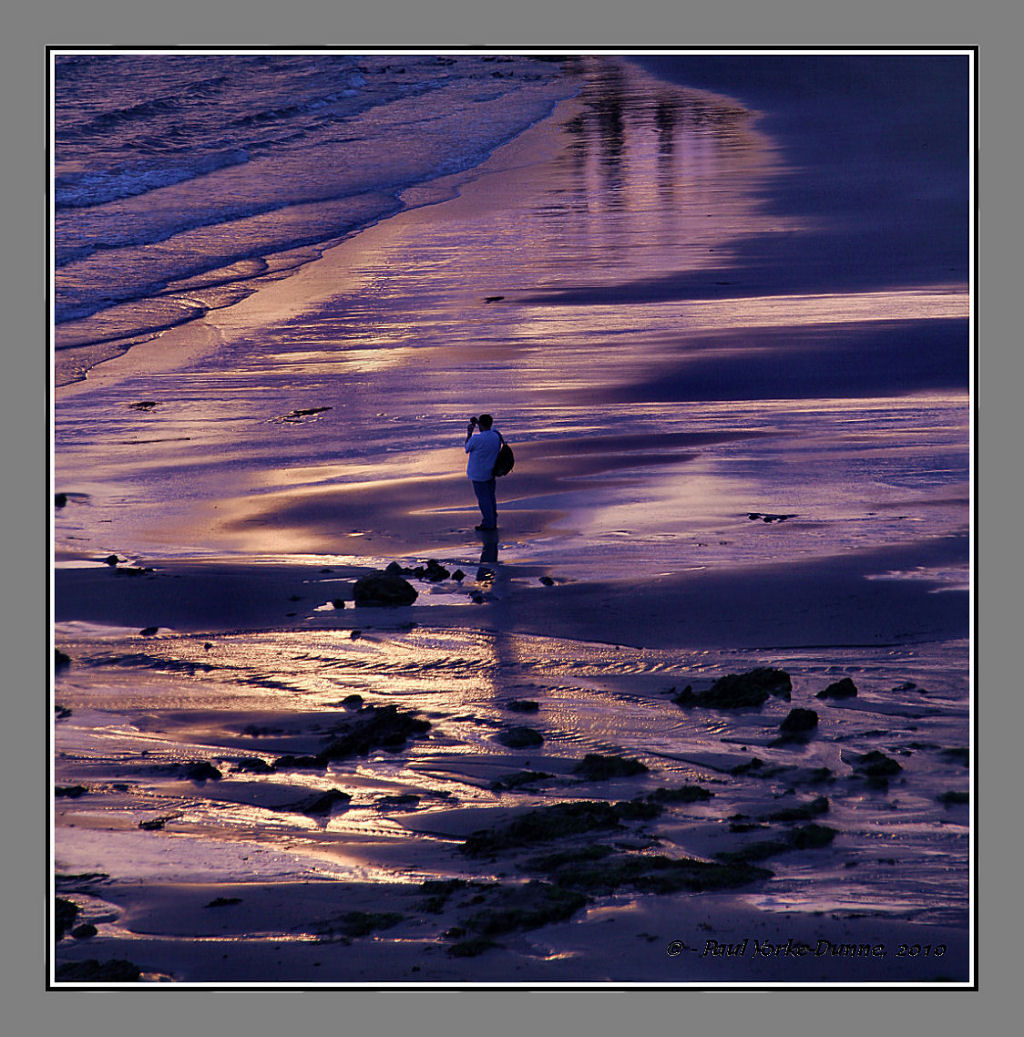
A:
(483, 450)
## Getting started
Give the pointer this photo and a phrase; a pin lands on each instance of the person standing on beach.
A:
(483, 452)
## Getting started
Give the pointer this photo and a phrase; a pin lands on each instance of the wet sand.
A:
(244, 473)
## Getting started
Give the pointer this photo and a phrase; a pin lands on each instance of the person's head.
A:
(485, 421)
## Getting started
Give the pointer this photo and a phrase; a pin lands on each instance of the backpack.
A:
(505, 461)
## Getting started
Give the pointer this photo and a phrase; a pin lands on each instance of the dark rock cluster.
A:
(522, 706)
(322, 804)
(91, 970)
(404, 801)
(876, 767)
(373, 727)
(520, 738)
(381, 589)
(595, 767)
(520, 780)
(70, 791)
(739, 691)
(64, 914)
(799, 721)
(842, 689)
(200, 771)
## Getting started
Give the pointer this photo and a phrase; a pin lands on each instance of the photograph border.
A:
(972, 51)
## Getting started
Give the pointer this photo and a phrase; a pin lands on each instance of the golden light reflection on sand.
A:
(593, 698)
(552, 321)
(356, 356)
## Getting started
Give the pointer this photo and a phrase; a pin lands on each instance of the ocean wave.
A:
(132, 319)
(305, 106)
(177, 167)
(111, 277)
(143, 111)
(97, 187)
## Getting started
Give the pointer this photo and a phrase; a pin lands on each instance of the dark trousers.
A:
(487, 501)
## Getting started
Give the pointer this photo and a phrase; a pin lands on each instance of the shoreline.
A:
(170, 348)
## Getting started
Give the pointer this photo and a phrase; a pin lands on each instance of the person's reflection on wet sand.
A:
(487, 555)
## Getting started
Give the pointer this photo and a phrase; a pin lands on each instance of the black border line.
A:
(675, 988)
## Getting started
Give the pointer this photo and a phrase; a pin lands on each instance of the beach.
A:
(742, 425)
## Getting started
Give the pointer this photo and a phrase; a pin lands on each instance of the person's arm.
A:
(469, 430)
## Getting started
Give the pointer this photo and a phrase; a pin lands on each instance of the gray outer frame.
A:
(993, 25)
